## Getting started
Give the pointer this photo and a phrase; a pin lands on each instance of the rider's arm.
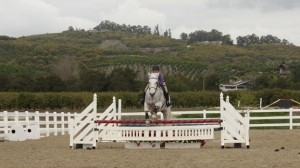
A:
(161, 79)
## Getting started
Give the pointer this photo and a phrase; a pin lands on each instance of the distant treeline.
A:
(196, 36)
(79, 100)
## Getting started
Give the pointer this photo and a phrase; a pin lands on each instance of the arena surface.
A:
(268, 148)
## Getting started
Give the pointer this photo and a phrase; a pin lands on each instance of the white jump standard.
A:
(89, 128)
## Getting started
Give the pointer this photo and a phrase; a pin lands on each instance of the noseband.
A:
(153, 87)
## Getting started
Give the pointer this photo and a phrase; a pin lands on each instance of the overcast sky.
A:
(234, 17)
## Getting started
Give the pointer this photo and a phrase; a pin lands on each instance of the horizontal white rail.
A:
(58, 123)
(48, 122)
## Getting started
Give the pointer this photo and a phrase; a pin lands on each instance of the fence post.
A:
(47, 124)
(260, 103)
(221, 106)
(62, 118)
(37, 121)
(119, 109)
(55, 123)
(291, 119)
(16, 117)
(247, 127)
(222, 117)
(114, 110)
(70, 130)
(27, 118)
(95, 139)
(204, 114)
(5, 119)
(69, 122)
(248, 115)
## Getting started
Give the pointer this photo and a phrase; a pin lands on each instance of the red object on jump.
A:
(159, 121)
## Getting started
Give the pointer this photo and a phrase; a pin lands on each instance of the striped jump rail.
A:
(194, 121)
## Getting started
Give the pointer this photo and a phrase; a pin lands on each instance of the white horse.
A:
(155, 100)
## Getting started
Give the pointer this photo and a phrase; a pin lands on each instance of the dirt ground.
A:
(268, 148)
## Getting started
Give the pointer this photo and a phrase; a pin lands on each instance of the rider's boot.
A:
(166, 94)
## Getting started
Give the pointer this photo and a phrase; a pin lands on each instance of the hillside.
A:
(73, 60)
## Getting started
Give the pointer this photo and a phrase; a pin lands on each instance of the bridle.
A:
(153, 87)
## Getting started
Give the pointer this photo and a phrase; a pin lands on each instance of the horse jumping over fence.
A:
(155, 100)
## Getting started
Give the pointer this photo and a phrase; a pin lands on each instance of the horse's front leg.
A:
(154, 114)
(146, 115)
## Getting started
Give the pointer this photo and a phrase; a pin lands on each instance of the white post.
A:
(119, 109)
(227, 99)
(47, 123)
(95, 118)
(247, 123)
(55, 123)
(204, 114)
(16, 117)
(114, 110)
(248, 115)
(221, 106)
(69, 122)
(62, 123)
(222, 117)
(70, 127)
(27, 118)
(37, 121)
(5, 120)
(260, 103)
(291, 119)
(239, 102)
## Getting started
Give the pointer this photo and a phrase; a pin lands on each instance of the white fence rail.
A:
(47, 122)
(58, 123)
(290, 115)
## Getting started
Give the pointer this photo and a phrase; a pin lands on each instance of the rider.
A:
(162, 84)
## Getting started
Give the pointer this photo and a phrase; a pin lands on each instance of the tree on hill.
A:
(156, 30)
(184, 36)
(112, 26)
(244, 41)
(213, 35)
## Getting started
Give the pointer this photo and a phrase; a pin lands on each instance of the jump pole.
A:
(194, 121)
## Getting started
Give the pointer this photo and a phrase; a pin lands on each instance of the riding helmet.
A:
(155, 68)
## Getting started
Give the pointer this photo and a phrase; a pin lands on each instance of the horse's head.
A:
(153, 83)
